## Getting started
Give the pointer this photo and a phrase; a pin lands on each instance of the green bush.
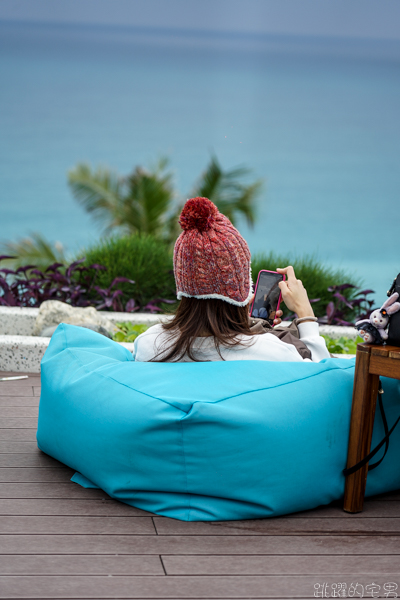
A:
(142, 258)
(343, 345)
(129, 331)
(148, 261)
(315, 276)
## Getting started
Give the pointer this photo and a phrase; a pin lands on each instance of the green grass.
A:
(144, 259)
(315, 276)
(343, 345)
(129, 331)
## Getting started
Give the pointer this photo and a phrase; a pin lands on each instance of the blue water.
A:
(317, 119)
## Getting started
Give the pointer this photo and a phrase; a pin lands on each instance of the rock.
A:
(48, 331)
(54, 312)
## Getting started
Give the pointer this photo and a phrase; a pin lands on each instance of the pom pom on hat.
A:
(198, 213)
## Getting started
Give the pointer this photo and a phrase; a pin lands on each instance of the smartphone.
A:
(267, 295)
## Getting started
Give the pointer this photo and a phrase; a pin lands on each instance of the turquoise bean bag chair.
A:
(204, 441)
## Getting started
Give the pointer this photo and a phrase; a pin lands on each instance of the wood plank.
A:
(79, 525)
(209, 545)
(36, 391)
(18, 401)
(385, 366)
(279, 565)
(263, 586)
(12, 389)
(19, 411)
(17, 447)
(54, 490)
(96, 507)
(12, 373)
(31, 459)
(59, 507)
(48, 490)
(19, 423)
(384, 350)
(376, 508)
(379, 350)
(32, 380)
(81, 565)
(395, 495)
(280, 526)
(43, 475)
(364, 347)
(18, 435)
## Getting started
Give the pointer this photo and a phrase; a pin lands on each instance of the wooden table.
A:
(371, 362)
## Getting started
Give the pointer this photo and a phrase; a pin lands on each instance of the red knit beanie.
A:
(211, 259)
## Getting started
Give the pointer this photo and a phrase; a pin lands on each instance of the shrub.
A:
(142, 258)
(129, 331)
(343, 345)
(316, 278)
(73, 284)
(344, 311)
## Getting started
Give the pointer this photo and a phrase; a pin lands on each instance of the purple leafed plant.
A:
(152, 308)
(29, 286)
(73, 284)
(110, 298)
(340, 309)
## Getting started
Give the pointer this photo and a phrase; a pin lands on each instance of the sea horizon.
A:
(316, 118)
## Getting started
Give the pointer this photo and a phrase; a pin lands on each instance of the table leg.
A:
(365, 393)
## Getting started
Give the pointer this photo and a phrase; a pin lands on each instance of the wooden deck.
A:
(62, 541)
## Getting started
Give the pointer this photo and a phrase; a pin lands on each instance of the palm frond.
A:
(100, 192)
(209, 181)
(34, 250)
(150, 197)
(144, 201)
(225, 189)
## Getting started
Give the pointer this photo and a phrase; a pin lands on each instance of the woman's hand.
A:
(294, 294)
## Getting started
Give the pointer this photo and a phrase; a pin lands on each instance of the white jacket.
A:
(258, 347)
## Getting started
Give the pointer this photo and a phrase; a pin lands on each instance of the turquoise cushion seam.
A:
(121, 383)
(185, 468)
(109, 378)
(274, 386)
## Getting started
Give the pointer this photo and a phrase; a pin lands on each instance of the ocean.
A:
(317, 119)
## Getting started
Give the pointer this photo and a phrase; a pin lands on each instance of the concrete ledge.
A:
(336, 332)
(20, 321)
(21, 352)
(17, 321)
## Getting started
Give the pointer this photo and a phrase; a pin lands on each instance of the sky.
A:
(375, 19)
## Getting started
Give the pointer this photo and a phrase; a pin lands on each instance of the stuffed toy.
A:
(374, 329)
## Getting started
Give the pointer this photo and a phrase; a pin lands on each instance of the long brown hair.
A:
(199, 317)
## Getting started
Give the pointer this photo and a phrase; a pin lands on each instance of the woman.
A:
(213, 280)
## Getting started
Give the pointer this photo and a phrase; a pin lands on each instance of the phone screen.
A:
(267, 295)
